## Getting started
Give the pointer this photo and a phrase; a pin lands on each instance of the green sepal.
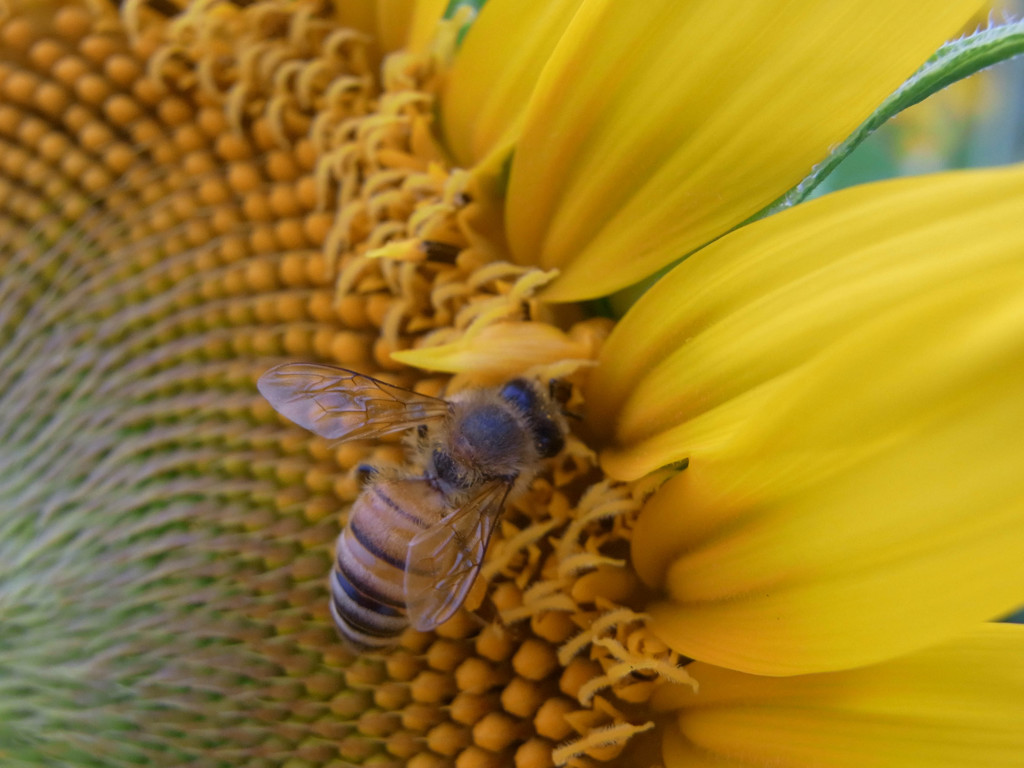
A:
(953, 61)
(454, 6)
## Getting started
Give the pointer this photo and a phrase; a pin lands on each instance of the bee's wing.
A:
(340, 404)
(442, 562)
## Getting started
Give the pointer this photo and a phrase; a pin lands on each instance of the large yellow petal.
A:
(495, 72)
(702, 355)
(874, 505)
(657, 126)
(957, 705)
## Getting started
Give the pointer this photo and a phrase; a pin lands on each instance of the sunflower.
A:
(779, 534)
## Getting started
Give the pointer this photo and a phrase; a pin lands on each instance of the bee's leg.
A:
(482, 609)
(366, 473)
(422, 438)
(487, 613)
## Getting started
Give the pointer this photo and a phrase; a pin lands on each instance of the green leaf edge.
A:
(953, 61)
(454, 6)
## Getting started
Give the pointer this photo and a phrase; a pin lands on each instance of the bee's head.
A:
(548, 434)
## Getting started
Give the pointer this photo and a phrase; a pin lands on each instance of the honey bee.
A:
(416, 535)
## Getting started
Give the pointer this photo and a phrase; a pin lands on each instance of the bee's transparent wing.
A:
(340, 404)
(442, 562)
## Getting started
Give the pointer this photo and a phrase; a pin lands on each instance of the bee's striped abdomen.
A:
(368, 581)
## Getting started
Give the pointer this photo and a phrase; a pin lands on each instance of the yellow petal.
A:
(495, 72)
(958, 704)
(423, 23)
(657, 126)
(499, 351)
(706, 351)
(874, 507)
(358, 14)
(677, 752)
(394, 21)
(394, 24)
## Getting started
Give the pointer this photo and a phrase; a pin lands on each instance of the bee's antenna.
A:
(560, 390)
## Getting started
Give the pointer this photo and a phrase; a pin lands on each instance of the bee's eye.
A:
(547, 438)
(547, 435)
(521, 394)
